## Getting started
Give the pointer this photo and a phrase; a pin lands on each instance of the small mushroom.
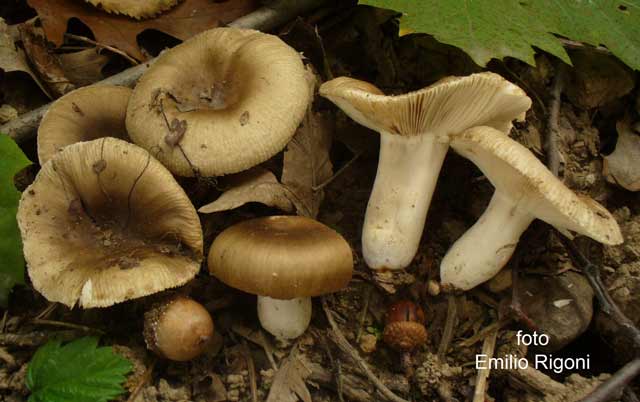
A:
(622, 166)
(105, 222)
(524, 190)
(221, 102)
(85, 114)
(285, 260)
(405, 331)
(135, 8)
(179, 329)
(413, 144)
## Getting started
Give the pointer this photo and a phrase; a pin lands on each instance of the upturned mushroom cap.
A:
(517, 173)
(450, 105)
(85, 114)
(221, 102)
(134, 8)
(283, 257)
(105, 222)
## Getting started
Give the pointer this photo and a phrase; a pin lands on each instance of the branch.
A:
(24, 127)
(613, 387)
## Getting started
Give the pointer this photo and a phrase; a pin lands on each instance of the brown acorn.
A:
(179, 329)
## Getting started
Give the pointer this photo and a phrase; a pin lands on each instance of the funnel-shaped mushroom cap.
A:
(449, 106)
(283, 257)
(105, 222)
(85, 114)
(134, 8)
(221, 102)
(518, 175)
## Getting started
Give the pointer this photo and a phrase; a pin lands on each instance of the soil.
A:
(364, 43)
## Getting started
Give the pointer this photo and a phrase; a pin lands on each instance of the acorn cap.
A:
(105, 222)
(283, 257)
(134, 8)
(518, 174)
(221, 102)
(449, 106)
(85, 114)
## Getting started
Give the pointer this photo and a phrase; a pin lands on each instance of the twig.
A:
(572, 44)
(251, 367)
(344, 345)
(488, 348)
(447, 333)
(615, 384)
(553, 153)
(338, 173)
(103, 46)
(146, 376)
(365, 310)
(32, 339)
(47, 311)
(337, 368)
(38, 321)
(24, 126)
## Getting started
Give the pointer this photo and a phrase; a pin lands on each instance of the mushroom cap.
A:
(451, 105)
(404, 336)
(519, 175)
(221, 102)
(283, 257)
(83, 115)
(134, 8)
(105, 222)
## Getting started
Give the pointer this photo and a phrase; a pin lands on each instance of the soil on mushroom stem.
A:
(365, 47)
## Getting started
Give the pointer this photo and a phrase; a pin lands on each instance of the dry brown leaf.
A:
(83, 67)
(622, 167)
(288, 383)
(12, 58)
(307, 163)
(254, 185)
(46, 63)
(184, 21)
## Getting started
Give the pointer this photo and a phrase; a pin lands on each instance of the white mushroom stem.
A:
(408, 170)
(487, 246)
(284, 319)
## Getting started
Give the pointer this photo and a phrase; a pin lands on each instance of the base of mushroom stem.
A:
(284, 319)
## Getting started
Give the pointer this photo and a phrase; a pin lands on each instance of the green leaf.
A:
(12, 160)
(501, 28)
(79, 371)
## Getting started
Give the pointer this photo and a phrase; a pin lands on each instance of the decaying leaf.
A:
(622, 167)
(83, 67)
(288, 383)
(134, 8)
(12, 58)
(183, 21)
(307, 163)
(254, 185)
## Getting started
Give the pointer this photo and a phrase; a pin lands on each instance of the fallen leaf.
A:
(622, 167)
(83, 67)
(288, 383)
(13, 59)
(43, 60)
(307, 163)
(254, 185)
(184, 21)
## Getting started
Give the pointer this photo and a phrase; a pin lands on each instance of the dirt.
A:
(364, 43)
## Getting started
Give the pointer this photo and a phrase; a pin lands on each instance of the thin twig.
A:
(612, 387)
(103, 46)
(338, 173)
(251, 367)
(572, 44)
(447, 333)
(488, 348)
(62, 324)
(365, 310)
(336, 368)
(344, 345)
(553, 153)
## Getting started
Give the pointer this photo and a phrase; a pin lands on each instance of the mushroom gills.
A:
(284, 319)
(397, 210)
(486, 247)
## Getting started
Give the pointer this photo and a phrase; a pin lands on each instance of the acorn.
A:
(405, 328)
(179, 329)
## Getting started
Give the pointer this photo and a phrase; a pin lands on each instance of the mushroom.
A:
(221, 102)
(405, 331)
(413, 143)
(105, 222)
(85, 114)
(285, 260)
(524, 190)
(133, 8)
(178, 329)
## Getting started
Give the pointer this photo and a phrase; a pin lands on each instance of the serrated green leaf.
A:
(12, 160)
(501, 28)
(79, 371)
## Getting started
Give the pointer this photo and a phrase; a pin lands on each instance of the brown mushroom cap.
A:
(450, 105)
(105, 222)
(517, 173)
(282, 257)
(134, 8)
(85, 114)
(221, 102)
